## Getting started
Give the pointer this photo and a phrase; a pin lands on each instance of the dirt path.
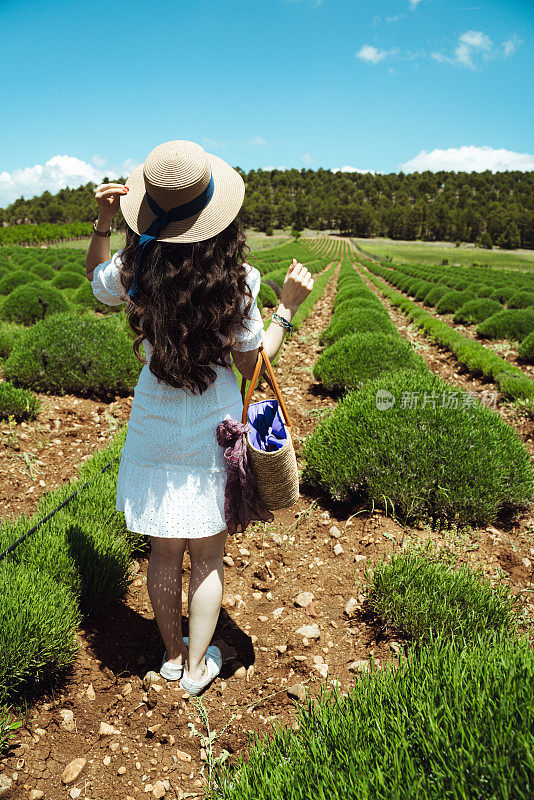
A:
(268, 660)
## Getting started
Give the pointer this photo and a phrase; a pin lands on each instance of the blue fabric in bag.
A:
(266, 425)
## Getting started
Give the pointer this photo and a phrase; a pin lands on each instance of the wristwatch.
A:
(99, 233)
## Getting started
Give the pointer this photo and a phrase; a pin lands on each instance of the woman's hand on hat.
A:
(107, 196)
(298, 283)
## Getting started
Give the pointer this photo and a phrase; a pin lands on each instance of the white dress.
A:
(172, 472)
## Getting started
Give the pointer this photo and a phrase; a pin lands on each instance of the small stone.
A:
(121, 770)
(338, 549)
(336, 684)
(228, 560)
(351, 606)
(107, 761)
(150, 678)
(229, 601)
(300, 658)
(263, 618)
(240, 672)
(395, 647)
(244, 551)
(322, 669)
(334, 532)
(277, 613)
(318, 659)
(358, 558)
(90, 692)
(75, 792)
(37, 794)
(281, 648)
(297, 691)
(152, 730)
(257, 595)
(107, 730)
(303, 599)
(72, 770)
(250, 672)
(68, 719)
(159, 789)
(182, 755)
(359, 666)
(126, 689)
(527, 563)
(310, 631)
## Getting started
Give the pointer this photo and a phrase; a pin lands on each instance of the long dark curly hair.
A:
(187, 295)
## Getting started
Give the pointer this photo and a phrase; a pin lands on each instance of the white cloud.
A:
(472, 44)
(212, 143)
(258, 140)
(59, 172)
(371, 54)
(469, 158)
(511, 45)
(348, 168)
(307, 159)
(414, 3)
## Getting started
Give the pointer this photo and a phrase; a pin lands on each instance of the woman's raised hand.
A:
(298, 283)
(107, 197)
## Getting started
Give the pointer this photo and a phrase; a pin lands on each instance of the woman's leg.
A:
(205, 596)
(164, 583)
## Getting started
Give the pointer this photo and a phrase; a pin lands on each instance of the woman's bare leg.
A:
(164, 584)
(205, 596)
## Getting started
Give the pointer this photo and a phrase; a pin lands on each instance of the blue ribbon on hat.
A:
(163, 218)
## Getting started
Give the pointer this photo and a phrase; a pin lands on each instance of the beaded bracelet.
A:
(284, 323)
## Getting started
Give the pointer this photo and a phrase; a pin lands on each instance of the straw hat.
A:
(175, 173)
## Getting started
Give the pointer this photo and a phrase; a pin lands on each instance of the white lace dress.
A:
(172, 472)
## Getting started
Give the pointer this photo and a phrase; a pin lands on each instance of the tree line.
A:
(481, 207)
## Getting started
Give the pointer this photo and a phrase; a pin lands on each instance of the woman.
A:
(192, 303)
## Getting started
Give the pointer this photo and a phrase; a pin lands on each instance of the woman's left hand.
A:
(107, 196)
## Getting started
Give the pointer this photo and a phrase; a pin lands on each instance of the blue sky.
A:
(89, 88)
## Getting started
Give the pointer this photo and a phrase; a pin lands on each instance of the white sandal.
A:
(172, 672)
(213, 667)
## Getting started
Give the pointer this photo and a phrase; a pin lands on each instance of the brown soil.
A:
(156, 750)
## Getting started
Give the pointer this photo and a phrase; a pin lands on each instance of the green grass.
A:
(433, 253)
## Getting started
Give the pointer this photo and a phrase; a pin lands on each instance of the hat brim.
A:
(222, 209)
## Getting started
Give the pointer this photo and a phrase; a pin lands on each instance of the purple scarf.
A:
(242, 503)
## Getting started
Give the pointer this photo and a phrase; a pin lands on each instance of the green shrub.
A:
(514, 324)
(17, 278)
(32, 302)
(67, 279)
(521, 300)
(276, 287)
(71, 353)
(482, 289)
(268, 296)
(459, 464)
(44, 271)
(19, 403)
(353, 292)
(526, 349)
(9, 333)
(476, 310)
(38, 623)
(447, 723)
(435, 295)
(452, 301)
(421, 595)
(84, 298)
(349, 319)
(423, 290)
(504, 293)
(516, 386)
(360, 357)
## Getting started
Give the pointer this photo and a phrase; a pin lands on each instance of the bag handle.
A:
(262, 356)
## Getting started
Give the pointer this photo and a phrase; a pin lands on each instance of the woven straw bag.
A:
(276, 472)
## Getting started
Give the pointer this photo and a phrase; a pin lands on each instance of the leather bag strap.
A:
(262, 356)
